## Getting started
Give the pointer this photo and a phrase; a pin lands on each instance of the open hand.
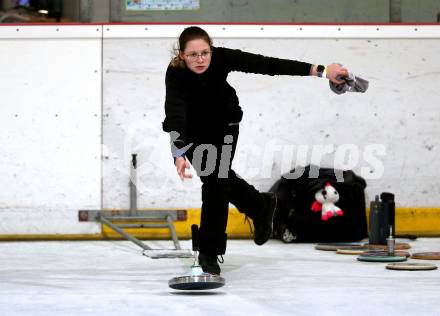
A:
(181, 165)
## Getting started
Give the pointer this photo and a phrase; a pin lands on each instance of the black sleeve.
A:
(175, 111)
(237, 60)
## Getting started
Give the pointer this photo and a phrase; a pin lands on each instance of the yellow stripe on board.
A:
(418, 221)
(412, 221)
(236, 228)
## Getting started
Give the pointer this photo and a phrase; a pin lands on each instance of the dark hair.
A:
(188, 34)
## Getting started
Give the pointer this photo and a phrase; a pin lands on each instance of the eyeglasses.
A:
(195, 56)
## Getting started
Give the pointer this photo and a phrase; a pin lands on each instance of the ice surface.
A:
(114, 278)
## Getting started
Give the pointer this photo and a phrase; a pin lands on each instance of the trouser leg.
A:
(244, 196)
(214, 217)
(215, 192)
(219, 188)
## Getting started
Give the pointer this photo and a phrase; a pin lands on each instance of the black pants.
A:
(220, 186)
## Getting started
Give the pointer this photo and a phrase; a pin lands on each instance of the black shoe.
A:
(209, 264)
(263, 223)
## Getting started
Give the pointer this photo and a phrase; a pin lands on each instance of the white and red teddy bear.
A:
(325, 202)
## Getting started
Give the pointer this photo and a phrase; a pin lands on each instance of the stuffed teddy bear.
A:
(325, 202)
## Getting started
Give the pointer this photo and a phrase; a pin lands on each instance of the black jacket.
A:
(200, 106)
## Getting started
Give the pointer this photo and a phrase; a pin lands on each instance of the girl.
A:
(203, 115)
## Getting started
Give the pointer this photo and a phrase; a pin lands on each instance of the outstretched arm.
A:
(237, 60)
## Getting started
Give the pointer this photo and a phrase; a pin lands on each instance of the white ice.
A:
(114, 278)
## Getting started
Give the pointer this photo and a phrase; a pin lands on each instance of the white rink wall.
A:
(50, 155)
(70, 90)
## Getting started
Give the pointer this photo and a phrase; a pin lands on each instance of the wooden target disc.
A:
(350, 251)
(426, 255)
(411, 266)
(397, 246)
(338, 245)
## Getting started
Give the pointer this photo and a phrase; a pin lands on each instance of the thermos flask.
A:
(382, 219)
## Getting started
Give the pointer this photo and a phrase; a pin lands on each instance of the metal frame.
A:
(143, 219)
(165, 219)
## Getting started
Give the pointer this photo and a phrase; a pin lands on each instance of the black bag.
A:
(296, 222)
